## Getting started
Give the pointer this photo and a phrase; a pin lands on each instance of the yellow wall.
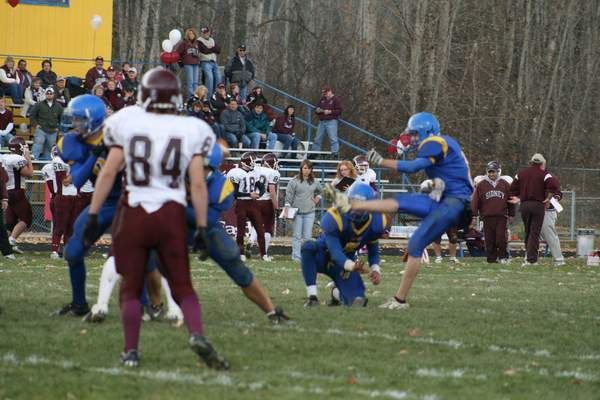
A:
(37, 32)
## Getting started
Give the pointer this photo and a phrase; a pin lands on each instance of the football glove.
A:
(374, 157)
(338, 199)
(201, 243)
(90, 232)
(437, 189)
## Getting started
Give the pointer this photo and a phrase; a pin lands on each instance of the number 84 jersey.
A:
(158, 149)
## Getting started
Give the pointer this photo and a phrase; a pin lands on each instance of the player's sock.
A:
(192, 313)
(311, 290)
(131, 316)
(108, 280)
(77, 274)
(267, 242)
(399, 300)
(170, 300)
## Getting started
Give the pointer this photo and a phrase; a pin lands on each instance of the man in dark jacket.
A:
(240, 70)
(96, 74)
(258, 128)
(490, 202)
(45, 116)
(328, 110)
(533, 188)
(233, 123)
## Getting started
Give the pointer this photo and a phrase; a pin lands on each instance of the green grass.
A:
(472, 332)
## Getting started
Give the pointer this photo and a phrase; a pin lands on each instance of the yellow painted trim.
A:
(437, 139)
(364, 227)
(335, 214)
(226, 190)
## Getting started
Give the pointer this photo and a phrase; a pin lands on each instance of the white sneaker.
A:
(454, 260)
(54, 255)
(243, 257)
(559, 263)
(13, 244)
(10, 256)
(267, 258)
(528, 264)
(504, 261)
(393, 304)
(438, 260)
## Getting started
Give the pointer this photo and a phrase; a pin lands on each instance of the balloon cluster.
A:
(168, 56)
(95, 22)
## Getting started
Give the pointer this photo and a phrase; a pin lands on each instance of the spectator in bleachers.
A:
(5, 246)
(128, 97)
(257, 96)
(328, 110)
(45, 117)
(131, 80)
(98, 91)
(240, 69)
(284, 129)
(345, 175)
(61, 92)
(258, 129)
(122, 74)
(234, 125)
(303, 193)
(234, 92)
(114, 96)
(201, 94)
(189, 55)
(9, 81)
(220, 99)
(95, 75)
(7, 124)
(46, 74)
(25, 76)
(111, 74)
(201, 109)
(208, 59)
(33, 94)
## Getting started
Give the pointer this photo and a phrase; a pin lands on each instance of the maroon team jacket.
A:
(490, 199)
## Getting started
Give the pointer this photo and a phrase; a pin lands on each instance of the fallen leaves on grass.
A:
(414, 332)
(511, 372)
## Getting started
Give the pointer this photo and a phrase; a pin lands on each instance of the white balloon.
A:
(167, 45)
(174, 36)
(96, 21)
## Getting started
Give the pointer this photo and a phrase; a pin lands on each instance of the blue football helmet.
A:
(84, 115)
(422, 125)
(363, 192)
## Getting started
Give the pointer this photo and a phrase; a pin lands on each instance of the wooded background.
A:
(507, 78)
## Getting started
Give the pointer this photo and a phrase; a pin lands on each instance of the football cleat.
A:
(278, 317)
(152, 312)
(96, 315)
(267, 258)
(504, 261)
(311, 302)
(334, 301)
(13, 244)
(54, 255)
(438, 260)
(10, 256)
(130, 358)
(201, 346)
(454, 260)
(76, 310)
(393, 304)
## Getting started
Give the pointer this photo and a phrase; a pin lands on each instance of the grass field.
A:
(472, 332)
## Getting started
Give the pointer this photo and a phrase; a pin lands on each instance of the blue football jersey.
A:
(449, 164)
(220, 196)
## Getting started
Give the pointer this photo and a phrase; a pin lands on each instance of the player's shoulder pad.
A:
(435, 147)
(332, 221)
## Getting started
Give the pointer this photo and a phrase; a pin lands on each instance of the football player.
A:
(62, 204)
(17, 165)
(447, 205)
(365, 174)
(334, 252)
(268, 175)
(248, 188)
(158, 147)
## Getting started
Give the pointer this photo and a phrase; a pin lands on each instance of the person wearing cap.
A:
(328, 110)
(533, 189)
(490, 203)
(45, 117)
(46, 74)
(548, 232)
(96, 74)
(61, 92)
(189, 56)
(208, 59)
(219, 100)
(111, 75)
(240, 69)
(9, 81)
(131, 80)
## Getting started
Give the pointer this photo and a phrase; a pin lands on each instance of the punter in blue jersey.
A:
(447, 205)
(334, 252)
(221, 247)
(83, 149)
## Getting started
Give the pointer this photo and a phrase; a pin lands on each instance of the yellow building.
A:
(64, 34)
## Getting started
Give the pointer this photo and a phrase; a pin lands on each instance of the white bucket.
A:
(585, 241)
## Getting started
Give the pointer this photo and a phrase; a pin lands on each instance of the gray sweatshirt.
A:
(299, 194)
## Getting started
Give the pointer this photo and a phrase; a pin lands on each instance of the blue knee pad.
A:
(223, 249)
(443, 215)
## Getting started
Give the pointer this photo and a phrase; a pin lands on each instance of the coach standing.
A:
(533, 188)
(548, 232)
